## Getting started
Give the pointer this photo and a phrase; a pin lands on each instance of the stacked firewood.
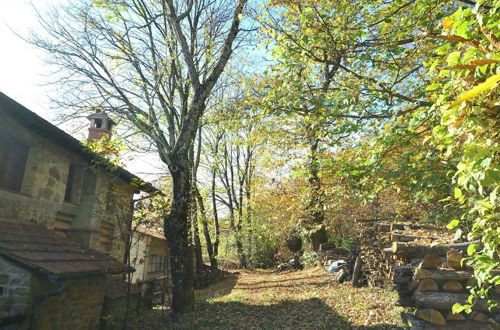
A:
(426, 268)
(409, 256)
(433, 281)
(373, 237)
(328, 253)
(380, 263)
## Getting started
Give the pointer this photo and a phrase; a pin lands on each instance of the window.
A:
(157, 263)
(68, 194)
(13, 155)
(2, 291)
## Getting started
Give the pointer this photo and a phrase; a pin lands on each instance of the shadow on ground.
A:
(289, 314)
(218, 289)
(287, 280)
(243, 301)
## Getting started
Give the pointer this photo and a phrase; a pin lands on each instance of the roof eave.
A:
(48, 130)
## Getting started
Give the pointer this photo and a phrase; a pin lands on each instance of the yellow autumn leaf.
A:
(488, 84)
(240, 16)
(448, 23)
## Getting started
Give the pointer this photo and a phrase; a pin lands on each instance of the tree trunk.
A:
(248, 194)
(316, 203)
(407, 251)
(177, 230)
(443, 274)
(216, 216)
(239, 248)
(198, 253)
(356, 274)
(317, 238)
(206, 232)
(399, 237)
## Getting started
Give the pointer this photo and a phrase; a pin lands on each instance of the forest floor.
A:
(261, 299)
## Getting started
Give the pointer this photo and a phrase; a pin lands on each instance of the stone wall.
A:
(15, 283)
(41, 197)
(78, 306)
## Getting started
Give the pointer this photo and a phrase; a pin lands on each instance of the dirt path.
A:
(300, 300)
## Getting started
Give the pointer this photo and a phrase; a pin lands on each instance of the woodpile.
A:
(380, 245)
(328, 253)
(376, 268)
(427, 270)
(384, 245)
(434, 286)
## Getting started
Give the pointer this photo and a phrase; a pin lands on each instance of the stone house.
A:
(50, 281)
(52, 190)
(149, 255)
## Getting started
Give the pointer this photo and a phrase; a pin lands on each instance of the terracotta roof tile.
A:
(51, 252)
(149, 232)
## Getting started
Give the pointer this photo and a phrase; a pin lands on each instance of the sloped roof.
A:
(149, 232)
(50, 252)
(44, 128)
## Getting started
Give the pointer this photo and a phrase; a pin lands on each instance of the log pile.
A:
(426, 268)
(328, 253)
(375, 239)
(435, 284)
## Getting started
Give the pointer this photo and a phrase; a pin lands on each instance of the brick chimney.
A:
(100, 124)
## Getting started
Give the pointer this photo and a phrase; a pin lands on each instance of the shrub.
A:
(309, 258)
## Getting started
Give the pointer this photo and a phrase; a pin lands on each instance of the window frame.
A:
(156, 263)
(69, 192)
(19, 146)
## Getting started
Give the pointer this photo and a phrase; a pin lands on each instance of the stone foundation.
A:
(15, 283)
(77, 307)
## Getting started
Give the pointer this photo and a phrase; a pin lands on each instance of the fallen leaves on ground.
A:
(306, 299)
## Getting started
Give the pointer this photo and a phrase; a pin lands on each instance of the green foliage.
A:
(465, 90)
(344, 241)
(107, 152)
(150, 211)
(309, 258)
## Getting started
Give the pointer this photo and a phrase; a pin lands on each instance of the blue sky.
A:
(21, 65)
(22, 69)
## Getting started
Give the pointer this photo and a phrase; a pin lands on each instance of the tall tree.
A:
(342, 67)
(152, 64)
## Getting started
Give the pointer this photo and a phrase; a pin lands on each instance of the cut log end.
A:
(430, 261)
(480, 317)
(454, 259)
(455, 317)
(431, 315)
(453, 286)
(428, 285)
